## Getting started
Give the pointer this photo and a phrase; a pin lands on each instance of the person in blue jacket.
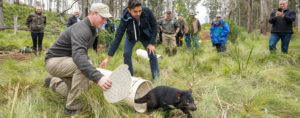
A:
(140, 25)
(218, 33)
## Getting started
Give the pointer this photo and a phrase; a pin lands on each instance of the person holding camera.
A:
(282, 26)
(36, 22)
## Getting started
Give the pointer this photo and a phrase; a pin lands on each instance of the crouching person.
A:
(67, 59)
(218, 33)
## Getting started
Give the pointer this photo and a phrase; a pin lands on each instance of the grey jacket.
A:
(74, 42)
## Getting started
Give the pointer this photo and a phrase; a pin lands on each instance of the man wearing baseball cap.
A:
(68, 63)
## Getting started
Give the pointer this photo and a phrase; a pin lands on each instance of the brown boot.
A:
(174, 51)
(168, 51)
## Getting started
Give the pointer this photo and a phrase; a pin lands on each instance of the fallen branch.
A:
(12, 27)
(218, 98)
(53, 31)
(9, 92)
(233, 107)
(62, 13)
(15, 99)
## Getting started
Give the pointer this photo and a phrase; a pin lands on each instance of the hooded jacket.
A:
(219, 32)
(146, 31)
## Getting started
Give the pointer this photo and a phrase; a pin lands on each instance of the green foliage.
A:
(22, 11)
(247, 76)
(235, 30)
(9, 41)
(254, 82)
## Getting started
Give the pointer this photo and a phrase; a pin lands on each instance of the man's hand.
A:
(151, 48)
(279, 14)
(104, 62)
(105, 83)
(175, 34)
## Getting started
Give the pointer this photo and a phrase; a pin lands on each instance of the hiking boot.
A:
(168, 51)
(47, 82)
(174, 51)
(72, 112)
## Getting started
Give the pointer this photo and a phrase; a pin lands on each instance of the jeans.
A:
(193, 38)
(128, 46)
(285, 41)
(37, 39)
(220, 47)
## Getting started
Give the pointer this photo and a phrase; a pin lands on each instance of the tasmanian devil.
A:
(168, 98)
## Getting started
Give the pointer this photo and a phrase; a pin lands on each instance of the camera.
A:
(279, 9)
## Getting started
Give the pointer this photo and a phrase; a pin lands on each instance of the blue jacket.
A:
(219, 32)
(146, 31)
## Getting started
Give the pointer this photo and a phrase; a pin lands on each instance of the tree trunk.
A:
(16, 2)
(1, 13)
(111, 7)
(292, 6)
(85, 4)
(50, 5)
(15, 24)
(169, 5)
(265, 13)
(121, 9)
(249, 24)
(57, 5)
(30, 3)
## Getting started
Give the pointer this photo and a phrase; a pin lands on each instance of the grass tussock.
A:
(253, 82)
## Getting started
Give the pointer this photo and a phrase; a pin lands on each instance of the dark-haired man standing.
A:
(140, 25)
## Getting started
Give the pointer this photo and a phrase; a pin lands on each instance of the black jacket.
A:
(72, 20)
(285, 24)
(148, 28)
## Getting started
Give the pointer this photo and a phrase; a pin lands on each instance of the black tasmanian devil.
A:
(169, 98)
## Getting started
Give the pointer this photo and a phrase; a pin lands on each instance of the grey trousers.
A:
(67, 80)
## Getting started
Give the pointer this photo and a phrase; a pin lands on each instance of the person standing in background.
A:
(36, 22)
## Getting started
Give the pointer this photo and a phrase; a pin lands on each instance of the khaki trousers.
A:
(67, 80)
(169, 39)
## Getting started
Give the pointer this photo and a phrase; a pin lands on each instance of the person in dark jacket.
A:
(74, 19)
(36, 22)
(140, 25)
(282, 26)
(181, 31)
(68, 62)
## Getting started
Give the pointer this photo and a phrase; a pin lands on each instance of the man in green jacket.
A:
(36, 22)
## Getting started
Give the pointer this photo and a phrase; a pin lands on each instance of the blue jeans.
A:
(285, 41)
(193, 38)
(128, 46)
(220, 47)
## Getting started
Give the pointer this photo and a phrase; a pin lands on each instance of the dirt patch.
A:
(15, 54)
(205, 35)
